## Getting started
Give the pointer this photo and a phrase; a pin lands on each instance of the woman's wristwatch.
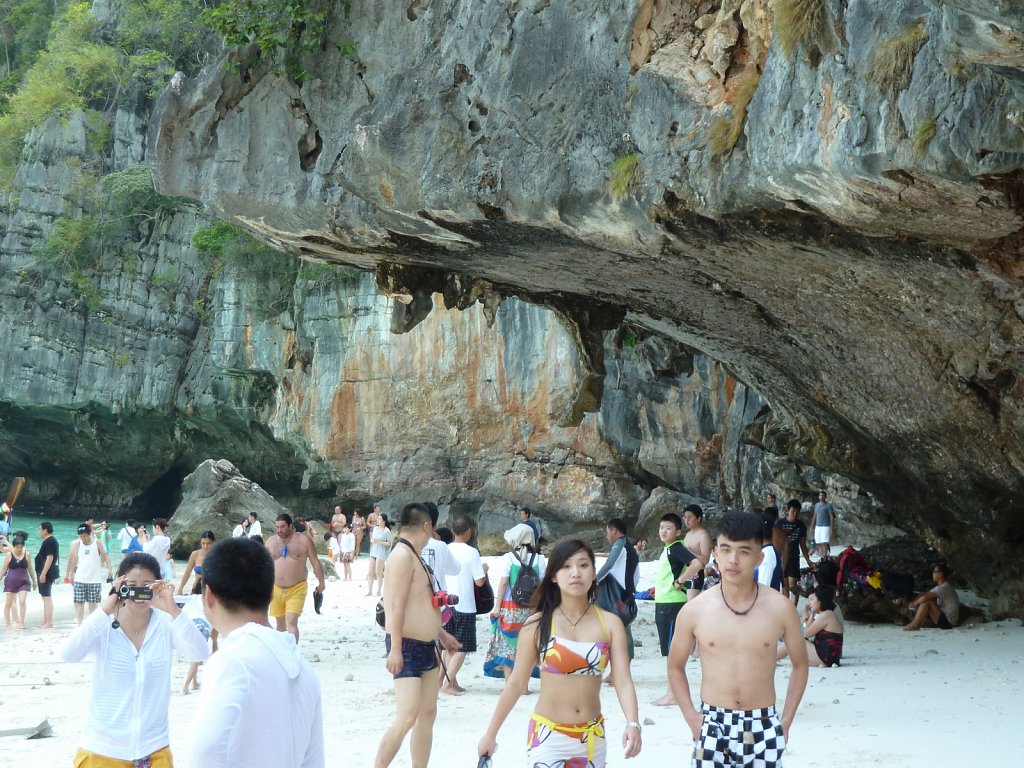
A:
(635, 725)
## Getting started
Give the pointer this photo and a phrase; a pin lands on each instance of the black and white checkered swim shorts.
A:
(730, 737)
(87, 593)
(462, 626)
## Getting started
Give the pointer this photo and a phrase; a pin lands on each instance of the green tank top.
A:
(664, 591)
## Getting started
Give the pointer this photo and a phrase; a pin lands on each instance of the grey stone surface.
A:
(852, 258)
(217, 497)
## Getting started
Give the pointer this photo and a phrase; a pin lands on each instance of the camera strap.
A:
(431, 580)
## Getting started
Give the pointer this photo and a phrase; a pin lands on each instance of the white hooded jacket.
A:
(258, 669)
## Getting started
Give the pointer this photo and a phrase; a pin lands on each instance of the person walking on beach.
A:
(290, 553)
(737, 624)
(17, 575)
(412, 624)
(347, 550)
(622, 567)
(698, 541)
(791, 540)
(940, 606)
(86, 562)
(677, 569)
(526, 516)
(380, 546)
(508, 615)
(255, 665)
(126, 534)
(824, 525)
(462, 625)
(47, 571)
(573, 641)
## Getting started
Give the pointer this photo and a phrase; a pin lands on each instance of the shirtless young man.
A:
(737, 624)
(290, 553)
(698, 541)
(412, 624)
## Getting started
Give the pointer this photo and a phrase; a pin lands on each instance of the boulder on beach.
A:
(217, 497)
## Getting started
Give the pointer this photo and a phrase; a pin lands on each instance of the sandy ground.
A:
(908, 699)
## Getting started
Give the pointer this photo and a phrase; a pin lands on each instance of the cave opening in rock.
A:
(162, 496)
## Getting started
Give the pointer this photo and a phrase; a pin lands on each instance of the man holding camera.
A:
(412, 624)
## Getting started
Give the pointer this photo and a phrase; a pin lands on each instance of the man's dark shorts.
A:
(418, 656)
(462, 626)
(943, 622)
(45, 588)
(665, 619)
(792, 567)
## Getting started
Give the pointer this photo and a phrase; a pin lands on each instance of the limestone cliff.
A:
(824, 195)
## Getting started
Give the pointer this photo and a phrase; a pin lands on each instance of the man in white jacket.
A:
(255, 664)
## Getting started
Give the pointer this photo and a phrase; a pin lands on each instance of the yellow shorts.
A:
(288, 600)
(82, 759)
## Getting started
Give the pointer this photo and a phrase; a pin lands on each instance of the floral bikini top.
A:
(576, 657)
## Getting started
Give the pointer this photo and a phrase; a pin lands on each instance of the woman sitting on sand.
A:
(133, 643)
(573, 641)
(20, 574)
(507, 617)
(822, 628)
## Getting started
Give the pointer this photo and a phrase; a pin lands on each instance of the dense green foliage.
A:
(24, 25)
(284, 31)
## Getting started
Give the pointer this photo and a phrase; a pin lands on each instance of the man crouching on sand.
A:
(738, 624)
(412, 625)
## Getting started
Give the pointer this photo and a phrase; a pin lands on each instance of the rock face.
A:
(828, 203)
(114, 388)
(216, 497)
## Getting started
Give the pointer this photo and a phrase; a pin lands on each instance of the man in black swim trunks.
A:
(412, 624)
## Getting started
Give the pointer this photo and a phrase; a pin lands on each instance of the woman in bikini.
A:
(359, 530)
(19, 573)
(572, 640)
(823, 629)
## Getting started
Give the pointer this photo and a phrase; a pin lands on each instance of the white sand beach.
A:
(907, 699)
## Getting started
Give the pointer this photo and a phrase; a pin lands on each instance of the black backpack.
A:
(526, 582)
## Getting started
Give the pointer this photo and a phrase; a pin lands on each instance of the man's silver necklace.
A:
(757, 591)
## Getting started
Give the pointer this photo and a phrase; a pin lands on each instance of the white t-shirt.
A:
(124, 536)
(436, 555)
(348, 542)
(471, 568)
(257, 665)
(766, 568)
(158, 547)
(255, 529)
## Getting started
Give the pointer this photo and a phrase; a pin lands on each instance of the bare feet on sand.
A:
(667, 700)
(452, 690)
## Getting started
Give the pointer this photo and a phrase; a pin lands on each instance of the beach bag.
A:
(526, 581)
(614, 599)
(133, 545)
(484, 596)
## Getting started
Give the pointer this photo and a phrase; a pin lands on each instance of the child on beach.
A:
(333, 548)
(347, 548)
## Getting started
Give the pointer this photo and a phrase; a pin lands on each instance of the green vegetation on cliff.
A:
(284, 31)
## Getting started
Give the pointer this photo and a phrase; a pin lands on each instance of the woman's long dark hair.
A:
(548, 596)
